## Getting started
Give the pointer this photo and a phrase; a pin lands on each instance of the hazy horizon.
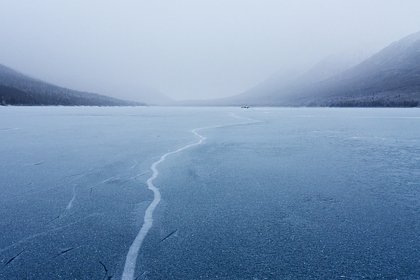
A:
(189, 49)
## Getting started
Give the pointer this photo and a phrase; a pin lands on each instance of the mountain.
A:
(389, 78)
(267, 92)
(19, 89)
(331, 66)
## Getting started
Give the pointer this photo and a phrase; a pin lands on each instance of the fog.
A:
(189, 49)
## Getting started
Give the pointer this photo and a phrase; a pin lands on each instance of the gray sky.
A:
(189, 49)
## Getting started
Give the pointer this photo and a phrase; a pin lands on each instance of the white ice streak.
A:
(133, 252)
(70, 204)
(131, 259)
(9, 128)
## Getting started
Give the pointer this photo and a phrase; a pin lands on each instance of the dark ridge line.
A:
(13, 258)
(65, 251)
(81, 174)
(169, 235)
(106, 272)
(43, 233)
(141, 275)
(56, 218)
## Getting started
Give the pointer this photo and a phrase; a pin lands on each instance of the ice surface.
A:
(302, 194)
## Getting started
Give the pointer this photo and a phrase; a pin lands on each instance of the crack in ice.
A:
(131, 259)
(73, 198)
(133, 252)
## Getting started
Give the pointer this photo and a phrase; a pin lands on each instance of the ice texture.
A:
(266, 193)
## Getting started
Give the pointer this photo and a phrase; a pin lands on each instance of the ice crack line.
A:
(70, 204)
(131, 259)
(133, 252)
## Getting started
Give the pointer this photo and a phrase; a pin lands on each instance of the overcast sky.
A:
(189, 49)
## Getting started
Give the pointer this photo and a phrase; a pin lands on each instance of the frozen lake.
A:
(264, 193)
